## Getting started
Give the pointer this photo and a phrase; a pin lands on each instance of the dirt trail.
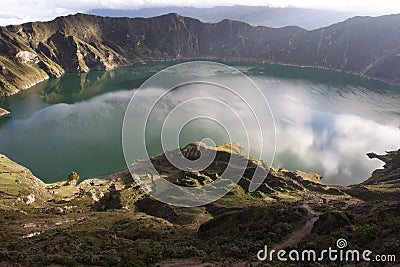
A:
(303, 232)
(192, 262)
(293, 240)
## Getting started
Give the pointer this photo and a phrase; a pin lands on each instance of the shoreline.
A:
(222, 60)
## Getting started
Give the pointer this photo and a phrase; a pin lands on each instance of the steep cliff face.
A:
(35, 51)
(361, 45)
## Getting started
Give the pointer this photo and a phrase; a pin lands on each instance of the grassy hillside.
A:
(111, 222)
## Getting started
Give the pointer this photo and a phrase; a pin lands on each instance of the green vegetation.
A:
(112, 222)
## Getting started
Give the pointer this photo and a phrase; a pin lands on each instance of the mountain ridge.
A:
(254, 15)
(32, 52)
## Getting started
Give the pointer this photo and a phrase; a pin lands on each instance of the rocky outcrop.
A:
(27, 57)
(383, 183)
(227, 159)
(3, 112)
(35, 51)
(391, 170)
(391, 159)
(73, 179)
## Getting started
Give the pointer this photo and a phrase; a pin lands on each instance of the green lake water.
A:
(326, 121)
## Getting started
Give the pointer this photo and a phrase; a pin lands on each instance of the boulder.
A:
(73, 178)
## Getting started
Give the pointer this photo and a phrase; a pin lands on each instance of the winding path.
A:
(304, 231)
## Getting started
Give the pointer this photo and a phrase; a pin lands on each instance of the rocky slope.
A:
(255, 15)
(111, 221)
(35, 51)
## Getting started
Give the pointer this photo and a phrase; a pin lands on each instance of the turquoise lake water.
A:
(325, 121)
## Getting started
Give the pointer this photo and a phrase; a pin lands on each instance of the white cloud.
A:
(341, 158)
(18, 11)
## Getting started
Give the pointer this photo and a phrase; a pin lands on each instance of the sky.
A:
(19, 11)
